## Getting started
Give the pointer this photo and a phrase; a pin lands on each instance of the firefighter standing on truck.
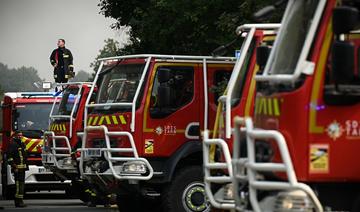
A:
(17, 158)
(62, 61)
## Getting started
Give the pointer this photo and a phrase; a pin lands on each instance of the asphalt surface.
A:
(52, 202)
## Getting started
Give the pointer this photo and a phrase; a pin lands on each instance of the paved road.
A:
(68, 205)
(52, 202)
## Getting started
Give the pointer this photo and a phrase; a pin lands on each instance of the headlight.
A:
(68, 161)
(293, 201)
(228, 192)
(134, 168)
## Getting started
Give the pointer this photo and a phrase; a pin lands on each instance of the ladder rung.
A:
(216, 166)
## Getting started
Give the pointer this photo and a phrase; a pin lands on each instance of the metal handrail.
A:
(54, 148)
(211, 165)
(250, 29)
(252, 167)
(163, 56)
(225, 103)
(77, 100)
(108, 156)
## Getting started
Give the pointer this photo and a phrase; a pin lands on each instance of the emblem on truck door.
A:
(334, 130)
(159, 130)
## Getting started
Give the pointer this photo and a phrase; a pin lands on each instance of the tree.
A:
(81, 76)
(110, 49)
(1, 93)
(180, 27)
(18, 79)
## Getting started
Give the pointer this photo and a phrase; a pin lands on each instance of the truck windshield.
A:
(295, 28)
(119, 84)
(32, 116)
(67, 101)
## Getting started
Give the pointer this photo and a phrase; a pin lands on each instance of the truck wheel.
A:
(356, 204)
(186, 192)
(77, 189)
(129, 202)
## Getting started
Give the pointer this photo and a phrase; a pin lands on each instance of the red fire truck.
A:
(238, 99)
(142, 133)
(28, 113)
(305, 115)
(61, 141)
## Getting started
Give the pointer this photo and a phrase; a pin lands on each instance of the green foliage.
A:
(1, 93)
(110, 49)
(193, 27)
(18, 79)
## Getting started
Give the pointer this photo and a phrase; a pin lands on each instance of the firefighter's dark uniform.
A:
(17, 158)
(64, 60)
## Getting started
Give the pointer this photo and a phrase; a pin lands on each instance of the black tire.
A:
(186, 192)
(128, 202)
(138, 203)
(84, 197)
(79, 187)
(356, 204)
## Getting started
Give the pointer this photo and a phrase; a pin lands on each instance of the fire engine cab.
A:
(305, 116)
(142, 133)
(61, 141)
(28, 113)
(238, 99)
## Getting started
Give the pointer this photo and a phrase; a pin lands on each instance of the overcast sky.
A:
(29, 30)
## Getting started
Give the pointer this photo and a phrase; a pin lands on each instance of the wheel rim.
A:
(194, 198)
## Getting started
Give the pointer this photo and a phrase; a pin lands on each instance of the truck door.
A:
(217, 79)
(335, 120)
(172, 114)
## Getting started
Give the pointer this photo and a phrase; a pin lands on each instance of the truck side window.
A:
(221, 79)
(181, 84)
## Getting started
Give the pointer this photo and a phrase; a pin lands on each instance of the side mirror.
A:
(164, 96)
(345, 19)
(342, 62)
(164, 75)
(262, 55)
(264, 12)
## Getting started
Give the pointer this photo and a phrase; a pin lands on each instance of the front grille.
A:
(46, 177)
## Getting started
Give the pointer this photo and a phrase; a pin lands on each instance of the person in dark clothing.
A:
(62, 61)
(17, 158)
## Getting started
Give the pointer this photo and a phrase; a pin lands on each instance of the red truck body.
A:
(303, 99)
(66, 120)
(144, 126)
(27, 113)
(241, 91)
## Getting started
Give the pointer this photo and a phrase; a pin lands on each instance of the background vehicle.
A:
(27, 113)
(306, 109)
(142, 137)
(61, 140)
(237, 100)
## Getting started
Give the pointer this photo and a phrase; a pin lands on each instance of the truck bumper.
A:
(36, 175)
